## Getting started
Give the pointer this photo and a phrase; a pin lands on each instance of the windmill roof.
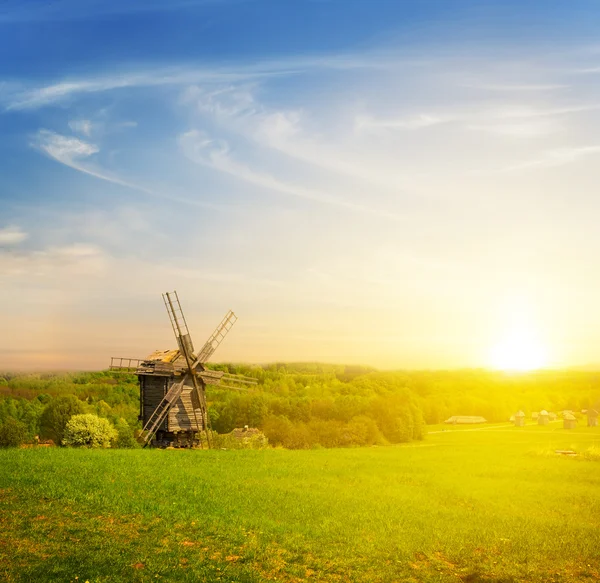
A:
(164, 355)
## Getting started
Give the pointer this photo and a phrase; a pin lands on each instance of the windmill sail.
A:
(180, 328)
(217, 337)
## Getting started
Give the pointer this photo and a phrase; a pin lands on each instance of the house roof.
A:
(466, 419)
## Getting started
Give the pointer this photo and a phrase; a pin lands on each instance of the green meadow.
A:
(466, 504)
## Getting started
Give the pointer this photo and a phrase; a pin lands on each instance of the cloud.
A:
(12, 235)
(66, 150)
(201, 149)
(73, 152)
(293, 132)
(18, 97)
(76, 258)
(525, 129)
(520, 87)
(525, 111)
(414, 122)
(82, 126)
(558, 157)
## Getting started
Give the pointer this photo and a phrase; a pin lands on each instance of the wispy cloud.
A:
(293, 132)
(82, 126)
(200, 148)
(413, 122)
(523, 129)
(518, 88)
(19, 97)
(558, 157)
(12, 235)
(75, 258)
(73, 152)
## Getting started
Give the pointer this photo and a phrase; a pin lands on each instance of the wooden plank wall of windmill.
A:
(153, 389)
(181, 415)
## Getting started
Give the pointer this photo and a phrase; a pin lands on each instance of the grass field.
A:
(467, 504)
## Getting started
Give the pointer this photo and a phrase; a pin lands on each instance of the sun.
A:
(519, 350)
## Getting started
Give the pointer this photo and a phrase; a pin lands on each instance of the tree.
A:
(12, 433)
(57, 414)
(89, 430)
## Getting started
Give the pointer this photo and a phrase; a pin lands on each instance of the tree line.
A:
(296, 405)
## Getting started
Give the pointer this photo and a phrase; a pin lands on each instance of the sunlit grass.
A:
(462, 505)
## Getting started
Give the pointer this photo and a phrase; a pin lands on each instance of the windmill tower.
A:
(173, 382)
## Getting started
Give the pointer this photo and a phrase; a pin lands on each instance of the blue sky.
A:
(404, 184)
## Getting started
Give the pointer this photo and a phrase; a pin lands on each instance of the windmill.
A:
(173, 382)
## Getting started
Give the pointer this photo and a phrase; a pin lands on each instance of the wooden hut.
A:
(519, 419)
(465, 419)
(543, 417)
(592, 418)
(569, 421)
(551, 416)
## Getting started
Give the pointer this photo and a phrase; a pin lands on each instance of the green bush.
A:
(125, 438)
(89, 430)
(230, 441)
(57, 414)
(12, 433)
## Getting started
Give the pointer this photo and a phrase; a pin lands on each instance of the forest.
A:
(297, 405)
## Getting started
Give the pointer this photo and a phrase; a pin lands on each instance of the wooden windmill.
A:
(173, 382)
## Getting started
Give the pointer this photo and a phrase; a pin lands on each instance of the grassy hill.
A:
(468, 504)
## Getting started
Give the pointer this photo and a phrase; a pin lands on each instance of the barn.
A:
(465, 420)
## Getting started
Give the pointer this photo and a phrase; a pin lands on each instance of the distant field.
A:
(483, 503)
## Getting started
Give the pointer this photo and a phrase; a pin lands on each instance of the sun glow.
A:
(519, 350)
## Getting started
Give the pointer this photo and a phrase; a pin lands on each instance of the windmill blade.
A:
(217, 337)
(119, 364)
(225, 380)
(187, 349)
(180, 328)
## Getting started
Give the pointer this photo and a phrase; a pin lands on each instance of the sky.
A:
(402, 184)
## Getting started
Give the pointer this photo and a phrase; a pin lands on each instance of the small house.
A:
(465, 419)
(551, 416)
(543, 417)
(519, 419)
(592, 418)
(569, 421)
